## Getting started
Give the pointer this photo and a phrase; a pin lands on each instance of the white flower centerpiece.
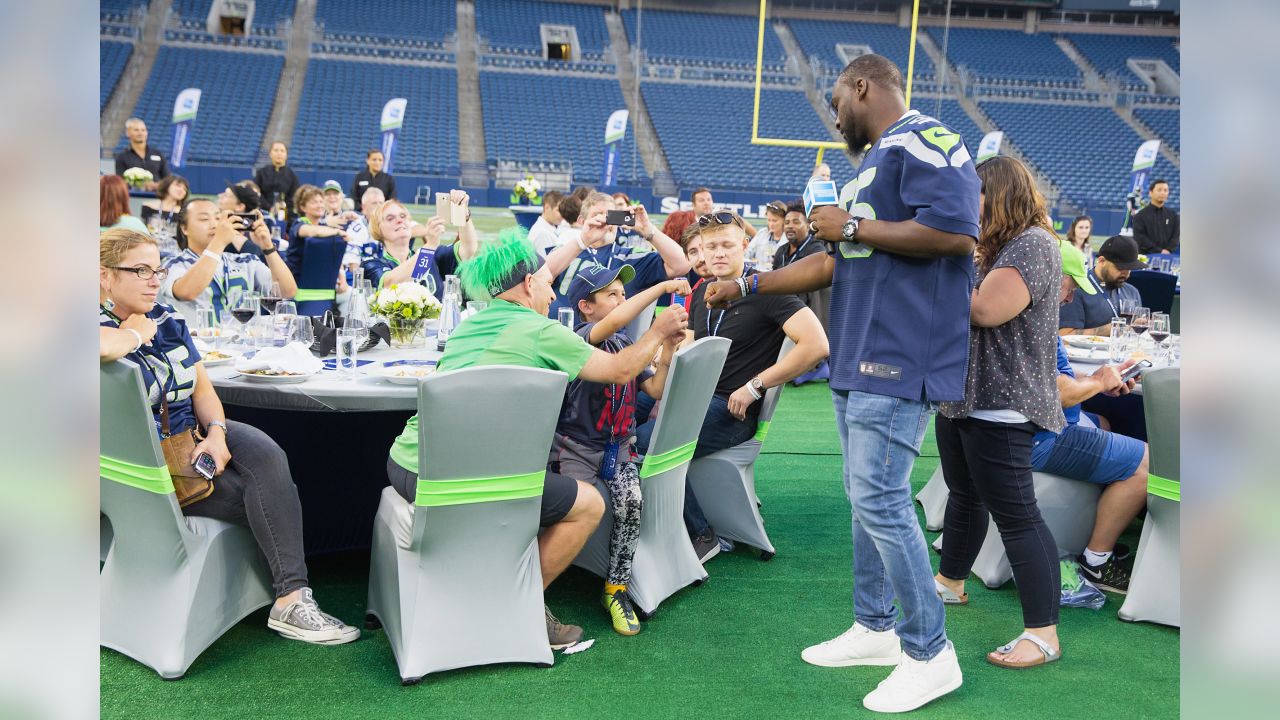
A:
(137, 177)
(526, 191)
(406, 307)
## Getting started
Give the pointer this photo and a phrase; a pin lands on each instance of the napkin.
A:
(293, 358)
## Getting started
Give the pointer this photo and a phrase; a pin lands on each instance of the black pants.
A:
(987, 465)
(257, 491)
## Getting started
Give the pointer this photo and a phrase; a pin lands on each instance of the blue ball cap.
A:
(593, 277)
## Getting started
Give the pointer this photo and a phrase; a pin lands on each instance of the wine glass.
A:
(286, 308)
(300, 330)
(1141, 320)
(1160, 333)
(272, 297)
(244, 310)
(1126, 307)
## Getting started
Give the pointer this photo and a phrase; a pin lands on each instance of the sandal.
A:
(1047, 653)
(948, 596)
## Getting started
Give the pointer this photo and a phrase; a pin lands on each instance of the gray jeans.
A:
(257, 491)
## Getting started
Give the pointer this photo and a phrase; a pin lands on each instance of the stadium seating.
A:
(706, 132)
(413, 22)
(704, 39)
(514, 25)
(112, 59)
(1009, 55)
(1165, 123)
(1088, 151)
(818, 39)
(118, 10)
(237, 93)
(554, 118)
(340, 112)
(1109, 54)
(267, 14)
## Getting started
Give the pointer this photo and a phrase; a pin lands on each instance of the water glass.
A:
(565, 316)
(300, 330)
(348, 348)
(1120, 345)
(360, 324)
(206, 324)
(452, 286)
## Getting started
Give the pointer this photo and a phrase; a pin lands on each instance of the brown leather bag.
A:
(189, 485)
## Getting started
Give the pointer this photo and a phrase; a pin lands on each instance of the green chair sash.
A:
(657, 463)
(762, 430)
(152, 479)
(1164, 487)
(309, 294)
(437, 493)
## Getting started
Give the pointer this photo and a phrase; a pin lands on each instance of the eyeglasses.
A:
(719, 218)
(144, 272)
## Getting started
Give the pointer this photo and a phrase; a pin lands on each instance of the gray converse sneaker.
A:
(303, 620)
(560, 635)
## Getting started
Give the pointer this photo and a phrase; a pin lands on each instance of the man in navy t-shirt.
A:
(596, 246)
(900, 265)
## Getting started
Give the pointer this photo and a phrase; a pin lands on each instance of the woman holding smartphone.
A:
(1011, 392)
(251, 485)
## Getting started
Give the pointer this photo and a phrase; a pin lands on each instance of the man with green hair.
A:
(515, 330)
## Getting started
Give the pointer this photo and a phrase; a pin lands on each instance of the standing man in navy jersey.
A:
(900, 265)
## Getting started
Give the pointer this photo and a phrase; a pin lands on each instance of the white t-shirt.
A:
(544, 235)
(761, 249)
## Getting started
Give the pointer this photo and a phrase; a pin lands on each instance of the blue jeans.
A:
(720, 430)
(880, 438)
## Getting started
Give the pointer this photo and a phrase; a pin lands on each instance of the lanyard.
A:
(787, 261)
(716, 329)
(165, 387)
(1105, 296)
(615, 406)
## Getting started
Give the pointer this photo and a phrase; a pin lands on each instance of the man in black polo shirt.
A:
(141, 155)
(1155, 227)
(1092, 314)
(372, 176)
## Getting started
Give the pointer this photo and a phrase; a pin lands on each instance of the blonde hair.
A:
(594, 199)
(115, 243)
(375, 218)
(304, 195)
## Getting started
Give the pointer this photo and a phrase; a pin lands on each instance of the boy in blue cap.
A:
(597, 423)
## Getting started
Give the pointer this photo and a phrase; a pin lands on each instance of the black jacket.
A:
(277, 184)
(365, 180)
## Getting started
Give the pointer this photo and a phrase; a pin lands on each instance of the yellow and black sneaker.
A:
(621, 611)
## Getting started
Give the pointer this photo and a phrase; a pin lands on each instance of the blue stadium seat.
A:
(238, 90)
(118, 10)
(549, 118)
(1009, 55)
(1165, 122)
(1109, 54)
(713, 40)
(514, 25)
(419, 22)
(337, 124)
(818, 39)
(1087, 151)
(112, 59)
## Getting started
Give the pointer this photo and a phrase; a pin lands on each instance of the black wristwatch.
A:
(270, 250)
(850, 230)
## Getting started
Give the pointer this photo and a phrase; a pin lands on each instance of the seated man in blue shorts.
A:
(1091, 454)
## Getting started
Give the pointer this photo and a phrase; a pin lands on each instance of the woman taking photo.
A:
(393, 228)
(162, 213)
(252, 485)
(1011, 392)
(1078, 236)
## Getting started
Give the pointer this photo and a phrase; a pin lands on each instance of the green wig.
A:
(499, 264)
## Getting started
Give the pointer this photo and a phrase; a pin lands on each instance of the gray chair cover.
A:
(454, 578)
(665, 561)
(1153, 587)
(933, 499)
(725, 481)
(1069, 508)
(170, 585)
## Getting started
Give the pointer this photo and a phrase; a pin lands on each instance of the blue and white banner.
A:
(392, 121)
(614, 131)
(185, 108)
(1142, 162)
(990, 145)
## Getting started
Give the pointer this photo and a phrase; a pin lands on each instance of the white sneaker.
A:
(916, 682)
(855, 646)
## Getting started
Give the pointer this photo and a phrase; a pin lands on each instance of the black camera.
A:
(620, 217)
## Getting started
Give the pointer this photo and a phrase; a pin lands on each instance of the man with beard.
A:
(800, 244)
(1092, 314)
(900, 265)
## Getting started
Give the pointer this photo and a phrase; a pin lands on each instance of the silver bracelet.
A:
(137, 335)
(742, 286)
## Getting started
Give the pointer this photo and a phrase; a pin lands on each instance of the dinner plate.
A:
(1087, 341)
(210, 362)
(276, 379)
(1091, 355)
(405, 374)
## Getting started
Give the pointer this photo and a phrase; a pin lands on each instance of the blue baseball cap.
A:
(594, 277)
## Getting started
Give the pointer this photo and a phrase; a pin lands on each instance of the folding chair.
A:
(170, 585)
(665, 561)
(725, 482)
(1153, 586)
(454, 577)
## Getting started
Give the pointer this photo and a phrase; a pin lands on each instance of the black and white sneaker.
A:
(1111, 575)
(303, 620)
(706, 545)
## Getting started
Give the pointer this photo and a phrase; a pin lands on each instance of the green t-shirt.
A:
(504, 333)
